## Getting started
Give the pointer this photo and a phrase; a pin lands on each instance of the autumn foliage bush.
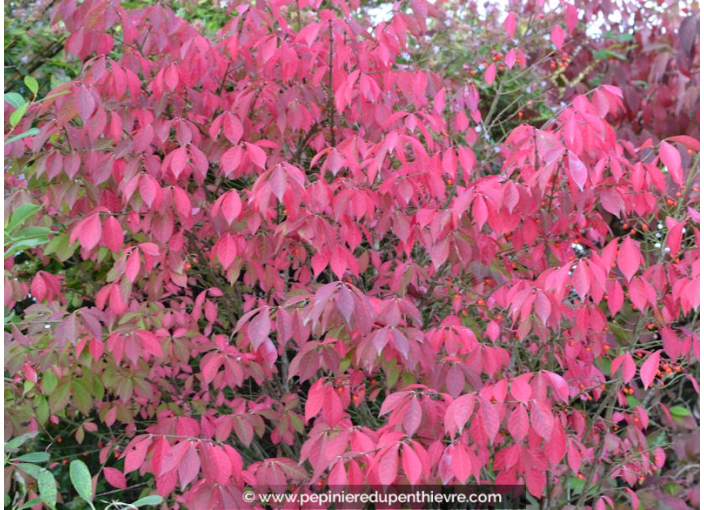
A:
(318, 248)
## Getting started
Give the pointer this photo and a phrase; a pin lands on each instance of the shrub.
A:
(306, 252)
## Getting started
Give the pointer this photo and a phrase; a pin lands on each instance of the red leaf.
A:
(510, 25)
(458, 412)
(132, 266)
(557, 36)
(581, 279)
(629, 258)
(628, 369)
(649, 368)
(113, 236)
(577, 168)
(571, 17)
(490, 418)
(536, 481)
(543, 307)
(89, 232)
(687, 141)
(388, 466)
(490, 74)
(574, 459)
(521, 390)
(542, 420)
(412, 417)
(256, 154)
(231, 206)
(411, 464)
(461, 463)
(226, 250)
(259, 329)
(115, 478)
(673, 161)
(230, 161)
(316, 397)
(518, 424)
(189, 467)
(135, 455)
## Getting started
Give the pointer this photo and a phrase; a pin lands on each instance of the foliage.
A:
(317, 248)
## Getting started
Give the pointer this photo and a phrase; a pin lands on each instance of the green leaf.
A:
(17, 115)
(47, 488)
(49, 382)
(34, 457)
(18, 441)
(20, 214)
(679, 411)
(31, 469)
(80, 478)
(14, 99)
(29, 132)
(149, 501)
(82, 396)
(31, 84)
(28, 504)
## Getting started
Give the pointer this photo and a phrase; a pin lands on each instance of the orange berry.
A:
(602, 386)
(338, 382)
(449, 182)
(285, 211)
(457, 296)
(187, 266)
(340, 389)
(636, 419)
(580, 476)
(501, 68)
(615, 428)
(678, 194)
(481, 302)
(65, 461)
(584, 415)
(59, 440)
(633, 231)
(552, 65)
(373, 382)
(581, 386)
(117, 455)
(607, 348)
(362, 391)
(656, 458)
(589, 348)
(645, 226)
(355, 398)
(690, 152)
(472, 72)
(520, 114)
(631, 391)
(678, 368)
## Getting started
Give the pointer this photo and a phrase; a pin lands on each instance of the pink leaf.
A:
(557, 36)
(649, 368)
(542, 420)
(256, 154)
(411, 464)
(673, 161)
(115, 478)
(518, 424)
(259, 329)
(490, 74)
(113, 237)
(629, 258)
(89, 231)
(388, 466)
(510, 25)
(577, 170)
(231, 206)
(571, 17)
